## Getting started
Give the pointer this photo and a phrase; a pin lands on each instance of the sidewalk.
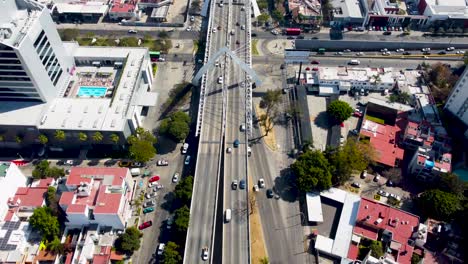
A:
(115, 26)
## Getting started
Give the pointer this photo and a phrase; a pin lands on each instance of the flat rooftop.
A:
(346, 8)
(307, 8)
(82, 6)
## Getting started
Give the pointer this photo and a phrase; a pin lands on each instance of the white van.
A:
(227, 215)
(354, 62)
(135, 171)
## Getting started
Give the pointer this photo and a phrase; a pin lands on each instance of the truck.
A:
(293, 31)
(135, 171)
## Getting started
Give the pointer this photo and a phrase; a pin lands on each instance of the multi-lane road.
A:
(235, 233)
(204, 199)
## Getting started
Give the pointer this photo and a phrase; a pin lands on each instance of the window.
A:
(39, 38)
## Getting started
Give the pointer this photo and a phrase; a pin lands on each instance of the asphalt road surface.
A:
(203, 208)
(235, 233)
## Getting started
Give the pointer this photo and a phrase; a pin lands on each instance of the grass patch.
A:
(254, 47)
(195, 46)
(375, 119)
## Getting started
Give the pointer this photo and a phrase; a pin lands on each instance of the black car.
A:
(442, 53)
(242, 184)
(290, 37)
(253, 34)
(427, 53)
(389, 183)
(300, 37)
(269, 193)
(386, 33)
(406, 53)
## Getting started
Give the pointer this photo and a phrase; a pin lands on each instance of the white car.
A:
(229, 150)
(175, 178)
(242, 128)
(396, 197)
(255, 188)
(261, 183)
(132, 31)
(189, 29)
(400, 50)
(220, 79)
(383, 193)
(192, 18)
(205, 253)
(214, 30)
(242, 27)
(162, 162)
(161, 248)
(69, 162)
(150, 195)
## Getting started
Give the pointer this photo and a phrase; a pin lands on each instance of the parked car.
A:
(154, 178)
(145, 225)
(377, 178)
(356, 185)
(394, 196)
(261, 183)
(137, 164)
(161, 248)
(150, 195)
(386, 33)
(175, 178)
(315, 62)
(389, 183)
(242, 184)
(406, 53)
(149, 203)
(363, 174)
(132, 31)
(383, 193)
(148, 210)
(162, 162)
(255, 188)
(234, 185)
(357, 114)
(169, 222)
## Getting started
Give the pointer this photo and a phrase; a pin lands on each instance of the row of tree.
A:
(317, 170)
(60, 135)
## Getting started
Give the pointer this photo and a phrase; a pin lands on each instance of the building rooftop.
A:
(160, 12)
(386, 75)
(451, 8)
(81, 6)
(346, 8)
(29, 197)
(314, 207)
(385, 139)
(123, 6)
(307, 8)
(374, 217)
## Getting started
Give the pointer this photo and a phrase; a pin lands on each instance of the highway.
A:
(235, 233)
(203, 208)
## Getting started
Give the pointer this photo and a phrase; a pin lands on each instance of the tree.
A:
(442, 78)
(182, 219)
(277, 16)
(402, 98)
(394, 175)
(43, 221)
(170, 254)
(55, 246)
(82, 136)
(19, 138)
(376, 249)
(128, 42)
(312, 171)
(129, 241)
(263, 18)
(183, 190)
(264, 260)
(59, 135)
(450, 182)
(439, 204)
(270, 102)
(43, 170)
(114, 138)
(415, 259)
(142, 150)
(176, 126)
(97, 136)
(339, 110)
(69, 34)
(43, 139)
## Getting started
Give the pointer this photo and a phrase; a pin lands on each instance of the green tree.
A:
(114, 138)
(415, 259)
(55, 246)
(264, 260)
(339, 110)
(277, 16)
(402, 98)
(270, 102)
(176, 126)
(97, 136)
(19, 138)
(51, 195)
(377, 250)
(43, 170)
(263, 18)
(69, 34)
(2, 138)
(129, 241)
(182, 219)
(142, 150)
(43, 139)
(439, 204)
(59, 135)
(45, 222)
(183, 190)
(82, 136)
(170, 254)
(312, 171)
(450, 182)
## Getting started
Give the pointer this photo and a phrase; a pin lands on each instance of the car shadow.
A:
(285, 187)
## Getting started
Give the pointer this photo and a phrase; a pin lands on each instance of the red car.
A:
(154, 178)
(315, 69)
(145, 225)
(357, 114)
(315, 62)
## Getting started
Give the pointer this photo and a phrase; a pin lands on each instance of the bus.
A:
(293, 31)
(155, 55)
(321, 51)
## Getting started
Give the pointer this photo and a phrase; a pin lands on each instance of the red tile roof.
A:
(103, 257)
(45, 182)
(30, 196)
(402, 225)
(353, 251)
(385, 140)
(76, 208)
(107, 203)
(119, 6)
(66, 198)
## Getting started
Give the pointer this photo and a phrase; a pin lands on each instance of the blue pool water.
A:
(88, 91)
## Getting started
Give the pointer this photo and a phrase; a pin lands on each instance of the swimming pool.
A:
(88, 91)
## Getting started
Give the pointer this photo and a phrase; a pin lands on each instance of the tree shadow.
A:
(165, 145)
(284, 186)
(322, 120)
(169, 202)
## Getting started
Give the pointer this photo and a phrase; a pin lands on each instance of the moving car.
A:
(162, 162)
(261, 183)
(227, 215)
(148, 210)
(220, 79)
(242, 184)
(175, 178)
(269, 193)
(315, 62)
(145, 225)
(236, 143)
(229, 150)
(205, 253)
(132, 31)
(234, 185)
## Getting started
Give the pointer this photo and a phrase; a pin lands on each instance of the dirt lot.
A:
(177, 10)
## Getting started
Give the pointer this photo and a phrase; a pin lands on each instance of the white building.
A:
(11, 178)
(442, 10)
(48, 85)
(98, 196)
(457, 102)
